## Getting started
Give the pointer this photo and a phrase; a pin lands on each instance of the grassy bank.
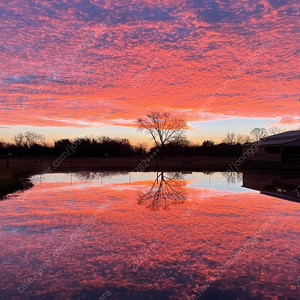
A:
(146, 163)
(29, 165)
(12, 181)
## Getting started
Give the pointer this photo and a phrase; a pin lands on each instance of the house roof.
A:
(295, 134)
(279, 139)
(278, 142)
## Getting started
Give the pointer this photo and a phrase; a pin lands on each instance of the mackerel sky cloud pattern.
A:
(66, 63)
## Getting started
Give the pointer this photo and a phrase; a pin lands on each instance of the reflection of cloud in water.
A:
(190, 249)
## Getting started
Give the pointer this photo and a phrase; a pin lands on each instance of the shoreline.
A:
(176, 163)
(16, 177)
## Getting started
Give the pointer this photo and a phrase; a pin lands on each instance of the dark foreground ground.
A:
(15, 176)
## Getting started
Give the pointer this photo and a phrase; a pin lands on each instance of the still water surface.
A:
(148, 236)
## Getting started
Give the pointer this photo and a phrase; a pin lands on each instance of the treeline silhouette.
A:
(79, 147)
(110, 147)
(222, 149)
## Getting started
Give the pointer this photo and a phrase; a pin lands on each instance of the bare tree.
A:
(275, 130)
(19, 139)
(163, 128)
(247, 139)
(239, 139)
(29, 138)
(233, 138)
(259, 133)
(33, 138)
(230, 138)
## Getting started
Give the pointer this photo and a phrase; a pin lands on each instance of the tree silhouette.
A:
(259, 133)
(208, 143)
(33, 138)
(164, 191)
(275, 130)
(233, 138)
(19, 139)
(163, 129)
(29, 139)
(230, 138)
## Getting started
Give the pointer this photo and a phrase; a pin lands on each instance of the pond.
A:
(162, 235)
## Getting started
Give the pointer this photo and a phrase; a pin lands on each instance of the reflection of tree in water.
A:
(208, 172)
(165, 190)
(233, 177)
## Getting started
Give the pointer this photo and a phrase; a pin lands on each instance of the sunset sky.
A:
(86, 67)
